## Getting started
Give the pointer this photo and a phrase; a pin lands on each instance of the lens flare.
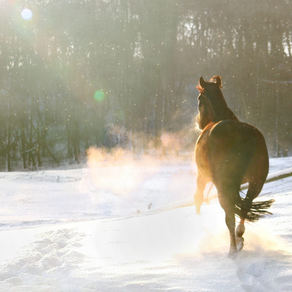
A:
(99, 95)
(26, 14)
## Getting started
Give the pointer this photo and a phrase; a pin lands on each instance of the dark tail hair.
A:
(256, 211)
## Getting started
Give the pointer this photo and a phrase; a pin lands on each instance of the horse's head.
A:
(212, 104)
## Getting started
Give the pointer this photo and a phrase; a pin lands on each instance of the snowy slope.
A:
(128, 247)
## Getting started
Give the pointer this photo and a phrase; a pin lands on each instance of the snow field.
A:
(55, 245)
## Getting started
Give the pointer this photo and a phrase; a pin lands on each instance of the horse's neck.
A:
(230, 115)
(221, 111)
(225, 114)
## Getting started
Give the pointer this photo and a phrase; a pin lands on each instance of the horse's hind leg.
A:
(240, 228)
(227, 197)
(228, 207)
(230, 222)
(239, 233)
(236, 243)
(253, 191)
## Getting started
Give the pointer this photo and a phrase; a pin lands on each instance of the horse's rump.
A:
(237, 154)
(232, 146)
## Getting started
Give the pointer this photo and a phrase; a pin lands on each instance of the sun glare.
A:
(26, 14)
(99, 95)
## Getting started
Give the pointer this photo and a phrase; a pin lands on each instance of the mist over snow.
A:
(113, 226)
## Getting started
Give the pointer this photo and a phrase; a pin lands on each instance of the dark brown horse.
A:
(229, 153)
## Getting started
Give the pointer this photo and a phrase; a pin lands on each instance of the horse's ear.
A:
(202, 82)
(217, 80)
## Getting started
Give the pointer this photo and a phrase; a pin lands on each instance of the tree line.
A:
(122, 73)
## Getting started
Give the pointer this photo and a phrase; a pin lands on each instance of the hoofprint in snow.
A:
(50, 242)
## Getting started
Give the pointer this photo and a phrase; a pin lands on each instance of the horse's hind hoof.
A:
(239, 243)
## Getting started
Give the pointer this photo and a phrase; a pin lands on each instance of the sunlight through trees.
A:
(122, 73)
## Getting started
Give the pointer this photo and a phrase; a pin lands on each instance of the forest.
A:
(123, 74)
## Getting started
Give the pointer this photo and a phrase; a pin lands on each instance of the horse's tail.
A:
(257, 210)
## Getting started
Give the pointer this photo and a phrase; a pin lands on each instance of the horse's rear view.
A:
(229, 153)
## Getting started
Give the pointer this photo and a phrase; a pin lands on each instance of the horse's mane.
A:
(200, 88)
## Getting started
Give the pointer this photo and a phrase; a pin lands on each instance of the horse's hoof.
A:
(239, 243)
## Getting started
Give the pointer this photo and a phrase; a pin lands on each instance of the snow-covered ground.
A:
(113, 226)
